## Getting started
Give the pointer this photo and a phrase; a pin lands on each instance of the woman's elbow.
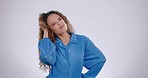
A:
(103, 59)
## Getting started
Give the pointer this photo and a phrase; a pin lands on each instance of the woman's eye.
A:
(53, 24)
(60, 19)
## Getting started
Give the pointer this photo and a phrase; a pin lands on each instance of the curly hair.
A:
(43, 18)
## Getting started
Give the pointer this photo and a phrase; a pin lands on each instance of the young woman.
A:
(65, 53)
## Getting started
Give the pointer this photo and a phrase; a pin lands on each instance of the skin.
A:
(58, 27)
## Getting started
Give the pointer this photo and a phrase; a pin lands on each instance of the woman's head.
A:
(56, 23)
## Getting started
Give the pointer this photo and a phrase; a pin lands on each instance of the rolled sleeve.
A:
(47, 51)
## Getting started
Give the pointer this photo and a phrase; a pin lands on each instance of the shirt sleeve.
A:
(94, 59)
(47, 54)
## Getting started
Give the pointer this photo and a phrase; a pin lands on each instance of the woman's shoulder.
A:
(82, 37)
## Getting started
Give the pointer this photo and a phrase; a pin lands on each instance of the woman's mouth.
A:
(61, 26)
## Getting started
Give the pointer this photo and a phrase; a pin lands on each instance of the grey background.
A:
(118, 27)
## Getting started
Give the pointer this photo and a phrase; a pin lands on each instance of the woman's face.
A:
(56, 24)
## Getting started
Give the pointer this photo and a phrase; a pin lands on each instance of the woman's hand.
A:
(43, 26)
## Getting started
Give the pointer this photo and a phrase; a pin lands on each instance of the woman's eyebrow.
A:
(59, 17)
(55, 21)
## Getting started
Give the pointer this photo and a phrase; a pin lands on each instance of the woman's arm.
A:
(45, 33)
(93, 60)
(47, 50)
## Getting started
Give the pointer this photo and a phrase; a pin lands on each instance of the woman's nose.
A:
(59, 23)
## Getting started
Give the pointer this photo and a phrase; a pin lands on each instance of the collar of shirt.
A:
(73, 39)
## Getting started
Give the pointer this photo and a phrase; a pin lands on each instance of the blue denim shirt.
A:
(68, 61)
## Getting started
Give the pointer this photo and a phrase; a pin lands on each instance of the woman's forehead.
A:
(52, 17)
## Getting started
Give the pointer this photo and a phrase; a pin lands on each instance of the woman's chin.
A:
(61, 32)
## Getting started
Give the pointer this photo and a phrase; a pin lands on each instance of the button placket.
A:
(68, 63)
(67, 60)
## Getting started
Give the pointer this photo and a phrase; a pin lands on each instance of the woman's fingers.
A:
(42, 25)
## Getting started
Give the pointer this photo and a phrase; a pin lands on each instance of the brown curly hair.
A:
(43, 18)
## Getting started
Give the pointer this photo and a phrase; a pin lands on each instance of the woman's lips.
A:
(61, 26)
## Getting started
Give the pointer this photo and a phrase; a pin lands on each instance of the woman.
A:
(65, 53)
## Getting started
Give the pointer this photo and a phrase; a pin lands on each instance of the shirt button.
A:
(60, 44)
(66, 71)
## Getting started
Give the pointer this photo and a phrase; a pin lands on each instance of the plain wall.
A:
(119, 28)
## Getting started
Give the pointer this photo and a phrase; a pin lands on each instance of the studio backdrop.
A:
(118, 27)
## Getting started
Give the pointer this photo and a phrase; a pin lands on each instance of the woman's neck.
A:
(65, 37)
